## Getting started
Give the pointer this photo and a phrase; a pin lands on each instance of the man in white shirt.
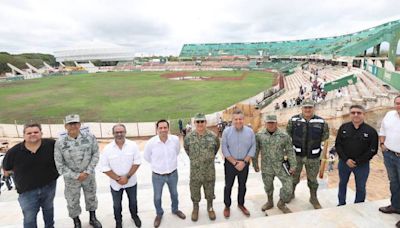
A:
(389, 138)
(120, 160)
(161, 151)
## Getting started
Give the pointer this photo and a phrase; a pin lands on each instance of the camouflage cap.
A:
(308, 103)
(73, 118)
(200, 116)
(270, 118)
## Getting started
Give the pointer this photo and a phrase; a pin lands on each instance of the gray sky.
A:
(163, 26)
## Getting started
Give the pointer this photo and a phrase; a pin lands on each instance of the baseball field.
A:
(127, 96)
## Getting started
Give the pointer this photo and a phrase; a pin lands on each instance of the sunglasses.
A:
(200, 121)
(356, 113)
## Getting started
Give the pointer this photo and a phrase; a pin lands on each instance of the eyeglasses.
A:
(119, 132)
(200, 121)
(356, 113)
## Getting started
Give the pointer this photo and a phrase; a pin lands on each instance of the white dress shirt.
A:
(390, 128)
(120, 161)
(163, 157)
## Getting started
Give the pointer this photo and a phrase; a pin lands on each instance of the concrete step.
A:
(255, 198)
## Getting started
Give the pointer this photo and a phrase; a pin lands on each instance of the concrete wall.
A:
(100, 130)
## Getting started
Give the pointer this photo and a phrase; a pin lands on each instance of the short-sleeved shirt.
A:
(120, 161)
(390, 128)
(31, 170)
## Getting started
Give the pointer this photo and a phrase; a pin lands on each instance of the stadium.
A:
(260, 78)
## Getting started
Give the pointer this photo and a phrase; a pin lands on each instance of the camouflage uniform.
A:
(272, 148)
(73, 156)
(201, 151)
(309, 135)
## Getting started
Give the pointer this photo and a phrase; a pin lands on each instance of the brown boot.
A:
(314, 200)
(282, 206)
(268, 205)
(210, 210)
(195, 212)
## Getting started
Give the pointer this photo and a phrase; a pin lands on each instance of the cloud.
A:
(156, 26)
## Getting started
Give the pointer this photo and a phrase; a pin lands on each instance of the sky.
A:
(161, 27)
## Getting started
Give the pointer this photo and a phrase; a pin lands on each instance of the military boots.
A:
(270, 204)
(210, 210)
(314, 200)
(77, 222)
(93, 220)
(282, 206)
(195, 212)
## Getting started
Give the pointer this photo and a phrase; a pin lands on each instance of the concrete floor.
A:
(360, 215)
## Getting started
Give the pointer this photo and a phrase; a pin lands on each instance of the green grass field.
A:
(123, 96)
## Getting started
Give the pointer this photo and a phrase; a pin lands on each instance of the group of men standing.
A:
(38, 162)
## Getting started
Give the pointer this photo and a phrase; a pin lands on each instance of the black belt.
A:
(165, 174)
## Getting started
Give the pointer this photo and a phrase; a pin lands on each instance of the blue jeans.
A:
(392, 163)
(117, 199)
(361, 173)
(158, 183)
(31, 201)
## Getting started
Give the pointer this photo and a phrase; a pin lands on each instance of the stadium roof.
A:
(345, 45)
(103, 54)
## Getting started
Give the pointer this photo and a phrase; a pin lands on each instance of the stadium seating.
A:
(346, 45)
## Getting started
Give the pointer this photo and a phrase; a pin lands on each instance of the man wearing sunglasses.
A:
(238, 148)
(389, 137)
(356, 144)
(308, 131)
(201, 145)
(120, 160)
(76, 155)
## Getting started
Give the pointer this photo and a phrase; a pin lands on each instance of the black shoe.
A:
(137, 221)
(77, 222)
(93, 220)
(118, 224)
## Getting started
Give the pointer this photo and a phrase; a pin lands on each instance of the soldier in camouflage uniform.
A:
(308, 131)
(274, 146)
(76, 155)
(201, 146)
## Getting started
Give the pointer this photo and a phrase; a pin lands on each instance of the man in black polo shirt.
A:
(356, 144)
(35, 175)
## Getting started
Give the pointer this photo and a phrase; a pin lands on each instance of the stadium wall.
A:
(392, 78)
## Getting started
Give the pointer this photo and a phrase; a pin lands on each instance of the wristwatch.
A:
(128, 176)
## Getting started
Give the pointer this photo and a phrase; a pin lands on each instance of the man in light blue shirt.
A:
(238, 147)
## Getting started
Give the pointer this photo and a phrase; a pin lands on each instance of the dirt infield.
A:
(185, 74)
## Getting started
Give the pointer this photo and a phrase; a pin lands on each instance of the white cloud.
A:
(157, 26)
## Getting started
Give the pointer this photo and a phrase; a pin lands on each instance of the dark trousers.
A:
(361, 173)
(230, 173)
(117, 199)
(392, 163)
(34, 200)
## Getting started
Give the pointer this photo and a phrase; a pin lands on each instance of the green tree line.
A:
(19, 60)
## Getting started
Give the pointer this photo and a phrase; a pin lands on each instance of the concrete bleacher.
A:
(368, 89)
(361, 215)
